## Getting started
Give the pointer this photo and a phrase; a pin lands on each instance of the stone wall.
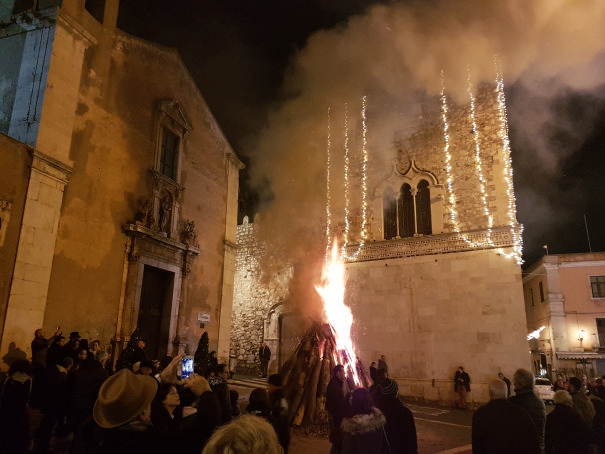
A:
(257, 303)
(14, 177)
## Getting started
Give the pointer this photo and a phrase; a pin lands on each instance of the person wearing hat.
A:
(400, 429)
(145, 367)
(121, 417)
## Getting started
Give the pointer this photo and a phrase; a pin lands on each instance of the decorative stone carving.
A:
(165, 212)
(498, 237)
(189, 235)
(144, 216)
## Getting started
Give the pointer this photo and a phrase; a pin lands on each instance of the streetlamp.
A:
(581, 336)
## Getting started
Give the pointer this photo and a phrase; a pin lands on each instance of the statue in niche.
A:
(165, 212)
(144, 216)
(189, 235)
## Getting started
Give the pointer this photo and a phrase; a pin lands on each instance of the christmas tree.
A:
(200, 359)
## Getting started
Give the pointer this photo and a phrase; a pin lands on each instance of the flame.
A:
(338, 314)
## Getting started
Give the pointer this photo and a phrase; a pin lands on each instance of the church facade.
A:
(434, 278)
(119, 206)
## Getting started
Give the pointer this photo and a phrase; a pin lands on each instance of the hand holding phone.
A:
(186, 366)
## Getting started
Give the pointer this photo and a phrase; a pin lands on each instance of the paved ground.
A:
(440, 430)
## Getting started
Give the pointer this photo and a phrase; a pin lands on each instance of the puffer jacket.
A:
(364, 433)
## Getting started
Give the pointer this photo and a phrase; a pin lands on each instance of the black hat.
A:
(389, 387)
(146, 363)
(74, 335)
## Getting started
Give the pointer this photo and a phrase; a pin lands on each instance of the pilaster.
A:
(35, 252)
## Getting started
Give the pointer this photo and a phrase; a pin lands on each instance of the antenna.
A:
(587, 235)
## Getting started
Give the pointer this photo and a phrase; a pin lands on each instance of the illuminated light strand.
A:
(328, 190)
(448, 157)
(508, 169)
(478, 166)
(364, 182)
(449, 170)
(346, 181)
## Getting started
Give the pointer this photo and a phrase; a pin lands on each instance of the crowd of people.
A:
(576, 425)
(369, 421)
(144, 407)
(147, 407)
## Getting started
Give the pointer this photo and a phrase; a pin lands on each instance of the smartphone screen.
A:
(187, 366)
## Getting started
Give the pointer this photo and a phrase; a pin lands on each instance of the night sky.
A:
(252, 59)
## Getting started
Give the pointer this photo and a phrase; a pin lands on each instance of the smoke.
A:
(546, 48)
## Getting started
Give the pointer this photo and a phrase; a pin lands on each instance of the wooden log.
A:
(298, 393)
(292, 362)
(310, 397)
(326, 372)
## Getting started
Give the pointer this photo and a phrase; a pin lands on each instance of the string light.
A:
(328, 192)
(448, 157)
(490, 221)
(364, 183)
(508, 169)
(346, 182)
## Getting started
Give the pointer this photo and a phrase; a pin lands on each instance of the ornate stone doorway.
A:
(155, 310)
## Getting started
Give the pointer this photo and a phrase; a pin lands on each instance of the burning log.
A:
(308, 371)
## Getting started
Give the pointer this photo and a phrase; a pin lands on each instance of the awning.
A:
(576, 356)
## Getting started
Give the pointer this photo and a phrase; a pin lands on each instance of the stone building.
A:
(118, 200)
(564, 302)
(434, 280)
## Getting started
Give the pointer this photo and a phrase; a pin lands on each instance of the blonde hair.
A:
(563, 397)
(247, 434)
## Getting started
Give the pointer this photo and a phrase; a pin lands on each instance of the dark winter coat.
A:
(54, 355)
(280, 417)
(221, 391)
(583, 407)
(86, 386)
(129, 439)
(167, 428)
(566, 432)
(198, 428)
(500, 427)
(337, 407)
(138, 355)
(400, 428)
(462, 379)
(39, 351)
(364, 434)
(264, 354)
(532, 404)
(56, 398)
(14, 419)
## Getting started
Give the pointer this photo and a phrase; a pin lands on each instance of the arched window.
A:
(407, 217)
(423, 208)
(409, 213)
(389, 214)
